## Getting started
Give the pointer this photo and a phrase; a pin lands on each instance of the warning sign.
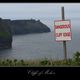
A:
(62, 30)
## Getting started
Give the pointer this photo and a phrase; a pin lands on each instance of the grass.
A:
(75, 61)
(36, 63)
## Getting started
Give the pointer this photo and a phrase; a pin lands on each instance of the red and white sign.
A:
(62, 30)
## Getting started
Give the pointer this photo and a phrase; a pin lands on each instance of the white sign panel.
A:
(62, 30)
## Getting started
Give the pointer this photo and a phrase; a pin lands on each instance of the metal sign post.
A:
(62, 30)
(64, 42)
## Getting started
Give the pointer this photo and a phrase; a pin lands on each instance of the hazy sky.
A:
(46, 12)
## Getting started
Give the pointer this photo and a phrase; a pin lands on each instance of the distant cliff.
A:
(8, 28)
(28, 26)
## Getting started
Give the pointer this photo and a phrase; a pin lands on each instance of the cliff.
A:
(28, 26)
(8, 28)
(5, 35)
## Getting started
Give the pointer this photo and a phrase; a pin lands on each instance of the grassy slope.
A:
(75, 61)
(37, 63)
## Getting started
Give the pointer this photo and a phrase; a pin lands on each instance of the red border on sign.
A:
(55, 32)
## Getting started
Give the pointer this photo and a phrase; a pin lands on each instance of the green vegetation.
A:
(4, 34)
(75, 61)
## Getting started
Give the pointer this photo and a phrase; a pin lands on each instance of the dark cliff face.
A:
(5, 35)
(28, 26)
(17, 27)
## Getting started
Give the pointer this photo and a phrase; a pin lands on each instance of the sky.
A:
(45, 12)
